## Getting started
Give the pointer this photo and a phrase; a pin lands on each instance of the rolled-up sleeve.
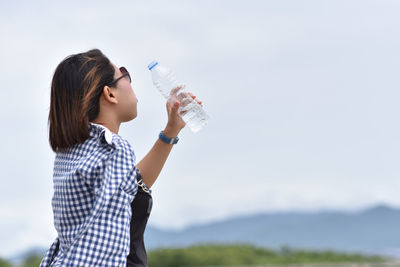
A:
(121, 170)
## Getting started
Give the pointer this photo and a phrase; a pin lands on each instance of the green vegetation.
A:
(32, 260)
(236, 255)
(4, 263)
(231, 255)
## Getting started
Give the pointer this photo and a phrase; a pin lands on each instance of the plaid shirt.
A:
(94, 184)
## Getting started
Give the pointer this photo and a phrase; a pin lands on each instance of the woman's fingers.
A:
(193, 96)
(176, 89)
(181, 97)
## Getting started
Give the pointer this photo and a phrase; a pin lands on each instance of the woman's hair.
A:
(76, 88)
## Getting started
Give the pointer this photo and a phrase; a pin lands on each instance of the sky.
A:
(302, 96)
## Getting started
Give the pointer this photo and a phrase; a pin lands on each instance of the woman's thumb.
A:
(175, 107)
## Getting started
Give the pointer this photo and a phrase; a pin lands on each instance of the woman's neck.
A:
(112, 126)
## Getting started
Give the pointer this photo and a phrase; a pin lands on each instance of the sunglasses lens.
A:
(125, 72)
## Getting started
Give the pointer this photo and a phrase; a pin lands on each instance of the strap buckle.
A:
(144, 186)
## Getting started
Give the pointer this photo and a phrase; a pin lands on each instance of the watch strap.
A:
(168, 140)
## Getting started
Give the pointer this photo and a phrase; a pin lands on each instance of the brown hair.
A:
(76, 88)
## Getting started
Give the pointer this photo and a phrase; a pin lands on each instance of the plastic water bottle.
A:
(191, 112)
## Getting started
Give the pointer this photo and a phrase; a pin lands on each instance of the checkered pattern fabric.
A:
(94, 184)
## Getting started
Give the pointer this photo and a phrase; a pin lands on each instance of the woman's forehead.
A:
(117, 71)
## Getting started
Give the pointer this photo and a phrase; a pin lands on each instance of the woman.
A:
(95, 173)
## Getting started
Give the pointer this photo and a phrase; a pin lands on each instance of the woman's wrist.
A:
(171, 132)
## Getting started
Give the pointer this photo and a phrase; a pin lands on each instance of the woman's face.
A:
(127, 100)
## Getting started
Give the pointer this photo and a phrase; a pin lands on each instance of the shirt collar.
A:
(98, 130)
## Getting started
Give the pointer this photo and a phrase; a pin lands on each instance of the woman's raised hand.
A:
(175, 121)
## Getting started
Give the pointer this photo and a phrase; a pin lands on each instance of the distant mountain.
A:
(375, 230)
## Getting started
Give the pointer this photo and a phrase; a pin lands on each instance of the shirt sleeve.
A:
(129, 184)
(121, 169)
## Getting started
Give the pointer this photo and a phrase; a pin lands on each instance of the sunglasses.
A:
(125, 74)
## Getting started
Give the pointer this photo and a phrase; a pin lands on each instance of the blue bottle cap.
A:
(152, 64)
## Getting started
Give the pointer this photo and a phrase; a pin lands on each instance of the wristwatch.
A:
(168, 140)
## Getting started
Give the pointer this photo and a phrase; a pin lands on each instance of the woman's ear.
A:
(109, 95)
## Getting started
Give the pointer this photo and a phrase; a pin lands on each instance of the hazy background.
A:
(303, 98)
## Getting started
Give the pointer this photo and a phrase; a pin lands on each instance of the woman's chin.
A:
(131, 117)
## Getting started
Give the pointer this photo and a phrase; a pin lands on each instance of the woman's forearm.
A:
(151, 165)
